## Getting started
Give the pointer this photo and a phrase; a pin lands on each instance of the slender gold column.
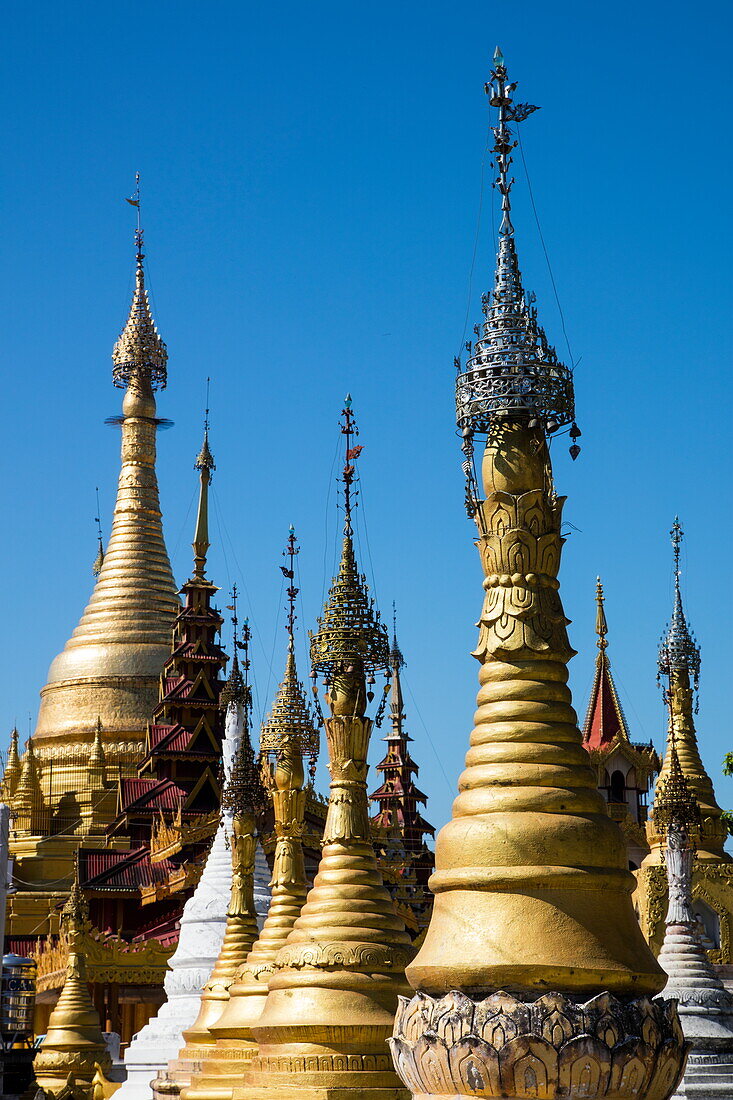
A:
(534, 979)
(73, 1048)
(223, 1070)
(333, 993)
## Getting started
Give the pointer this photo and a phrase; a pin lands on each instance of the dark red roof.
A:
(605, 719)
(151, 794)
(110, 870)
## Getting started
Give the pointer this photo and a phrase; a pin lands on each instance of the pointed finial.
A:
(396, 659)
(205, 465)
(601, 624)
(234, 691)
(512, 373)
(350, 430)
(135, 201)
(99, 560)
(140, 355)
(499, 92)
(676, 534)
(290, 717)
(679, 651)
(97, 755)
(291, 549)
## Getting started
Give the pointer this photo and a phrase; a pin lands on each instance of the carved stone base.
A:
(707, 1077)
(553, 1047)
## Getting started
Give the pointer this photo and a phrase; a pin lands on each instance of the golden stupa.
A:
(333, 992)
(534, 979)
(108, 671)
(73, 1049)
(288, 734)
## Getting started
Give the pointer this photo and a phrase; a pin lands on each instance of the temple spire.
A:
(512, 372)
(11, 774)
(679, 665)
(605, 721)
(205, 465)
(679, 651)
(351, 642)
(140, 355)
(123, 636)
(290, 714)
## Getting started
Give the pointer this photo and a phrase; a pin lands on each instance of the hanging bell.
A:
(552, 425)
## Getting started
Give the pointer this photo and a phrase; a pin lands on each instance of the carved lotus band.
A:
(549, 1048)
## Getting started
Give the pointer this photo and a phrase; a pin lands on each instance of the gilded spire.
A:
(11, 774)
(140, 355)
(601, 624)
(529, 833)
(290, 714)
(111, 664)
(205, 465)
(97, 757)
(350, 640)
(605, 720)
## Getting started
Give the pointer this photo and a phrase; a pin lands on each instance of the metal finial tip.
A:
(348, 401)
(498, 56)
(292, 529)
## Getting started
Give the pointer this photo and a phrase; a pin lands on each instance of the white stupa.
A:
(704, 1004)
(202, 931)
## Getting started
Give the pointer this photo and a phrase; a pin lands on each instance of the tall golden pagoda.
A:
(110, 666)
(533, 979)
(333, 992)
(288, 734)
(712, 888)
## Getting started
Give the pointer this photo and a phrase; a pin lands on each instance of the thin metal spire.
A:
(205, 465)
(290, 551)
(512, 372)
(601, 624)
(140, 355)
(290, 715)
(99, 560)
(679, 651)
(350, 430)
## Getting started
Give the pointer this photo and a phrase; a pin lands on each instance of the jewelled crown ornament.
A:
(534, 979)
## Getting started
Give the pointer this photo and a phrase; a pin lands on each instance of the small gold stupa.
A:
(73, 1048)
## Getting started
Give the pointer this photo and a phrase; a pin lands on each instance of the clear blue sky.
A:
(311, 179)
